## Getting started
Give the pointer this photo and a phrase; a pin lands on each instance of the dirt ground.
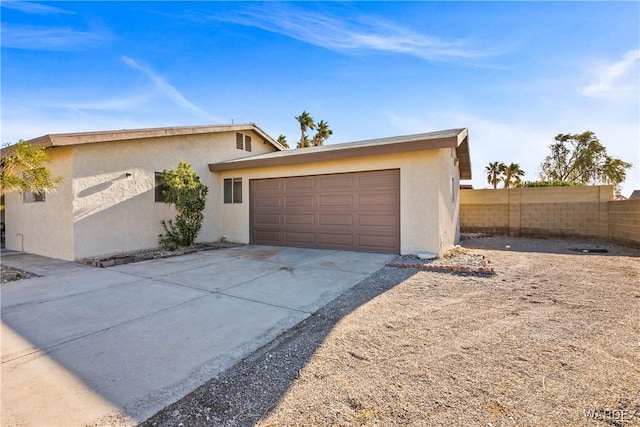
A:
(552, 339)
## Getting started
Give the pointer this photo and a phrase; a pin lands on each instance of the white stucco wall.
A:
(44, 227)
(421, 191)
(115, 213)
(449, 200)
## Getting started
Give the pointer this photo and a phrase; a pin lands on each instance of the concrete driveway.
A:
(88, 346)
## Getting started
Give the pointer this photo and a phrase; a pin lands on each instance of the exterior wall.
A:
(624, 222)
(421, 191)
(115, 213)
(449, 205)
(546, 211)
(44, 227)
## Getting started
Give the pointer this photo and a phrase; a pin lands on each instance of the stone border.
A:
(452, 269)
(130, 257)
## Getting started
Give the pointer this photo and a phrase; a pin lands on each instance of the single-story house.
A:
(393, 195)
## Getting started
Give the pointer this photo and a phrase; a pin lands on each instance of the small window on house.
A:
(31, 197)
(159, 188)
(233, 190)
(247, 142)
(239, 141)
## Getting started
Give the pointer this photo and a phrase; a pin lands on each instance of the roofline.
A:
(66, 139)
(408, 143)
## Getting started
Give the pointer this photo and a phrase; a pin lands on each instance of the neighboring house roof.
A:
(63, 139)
(635, 195)
(454, 138)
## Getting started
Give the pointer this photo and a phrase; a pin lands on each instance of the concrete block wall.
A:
(542, 212)
(624, 222)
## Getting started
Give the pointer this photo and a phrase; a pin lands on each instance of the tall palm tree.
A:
(512, 175)
(306, 122)
(282, 140)
(322, 134)
(494, 172)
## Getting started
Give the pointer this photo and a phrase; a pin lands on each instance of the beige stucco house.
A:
(394, 195)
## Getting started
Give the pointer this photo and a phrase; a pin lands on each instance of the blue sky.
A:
(516, 74)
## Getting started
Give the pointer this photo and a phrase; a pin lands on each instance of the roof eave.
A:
(300, 156)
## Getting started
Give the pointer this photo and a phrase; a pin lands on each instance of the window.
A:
(233, 190)
(159, 188)
(243, 142)
(31, 197)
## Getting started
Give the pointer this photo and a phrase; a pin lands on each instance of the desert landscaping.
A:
(550, 339)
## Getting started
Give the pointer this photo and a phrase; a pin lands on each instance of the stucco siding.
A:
(449, 200)
(44, 228)
(420, 189)
(113, 212)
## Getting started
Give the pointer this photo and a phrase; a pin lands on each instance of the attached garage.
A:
(390, 195)
(350, 211)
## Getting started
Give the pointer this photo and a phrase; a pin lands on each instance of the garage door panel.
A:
(268, 219)
(269, 202)
(376, 241)
(295, 201)
(336, 181)
(354, 211)
(334, 240)
(299, 237)
(269, 185)
(305, 219)
(333, 219)
(378, 220)
(298, 183)
(333, 201)
(378, 200)
(379, 180)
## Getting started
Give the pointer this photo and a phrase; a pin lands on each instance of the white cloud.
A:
(616, 80)
(168, 91)
(361, 33)
(34, 8)
(49, 38)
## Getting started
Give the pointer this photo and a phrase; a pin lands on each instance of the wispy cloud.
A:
(34, 8)
(170, 92)
(360, 33)
(49, 38)
(616, 80)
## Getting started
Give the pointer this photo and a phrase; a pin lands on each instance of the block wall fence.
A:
(589, 212)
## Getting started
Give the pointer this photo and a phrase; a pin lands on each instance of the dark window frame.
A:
(232, 190)
(159, 188)
(239, 141)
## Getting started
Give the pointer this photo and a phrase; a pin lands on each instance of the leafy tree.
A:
(581, 158)
(322, 134)
(185, 191)
(282, 140)
(512, 175)
(22, 170)
(306, 123)
(494, 173)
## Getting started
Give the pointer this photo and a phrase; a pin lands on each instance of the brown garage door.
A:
(352, 211)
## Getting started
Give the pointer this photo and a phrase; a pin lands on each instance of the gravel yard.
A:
(553, 338)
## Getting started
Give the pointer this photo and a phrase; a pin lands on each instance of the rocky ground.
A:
(550, 339)
(10, 274)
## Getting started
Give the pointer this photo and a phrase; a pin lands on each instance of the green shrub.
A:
(185, 191)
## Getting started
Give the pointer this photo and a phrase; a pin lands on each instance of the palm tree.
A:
(282, 140)
(512, 175)
(306, 122)
(322, 134)
(304, 142)
(494, 172)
